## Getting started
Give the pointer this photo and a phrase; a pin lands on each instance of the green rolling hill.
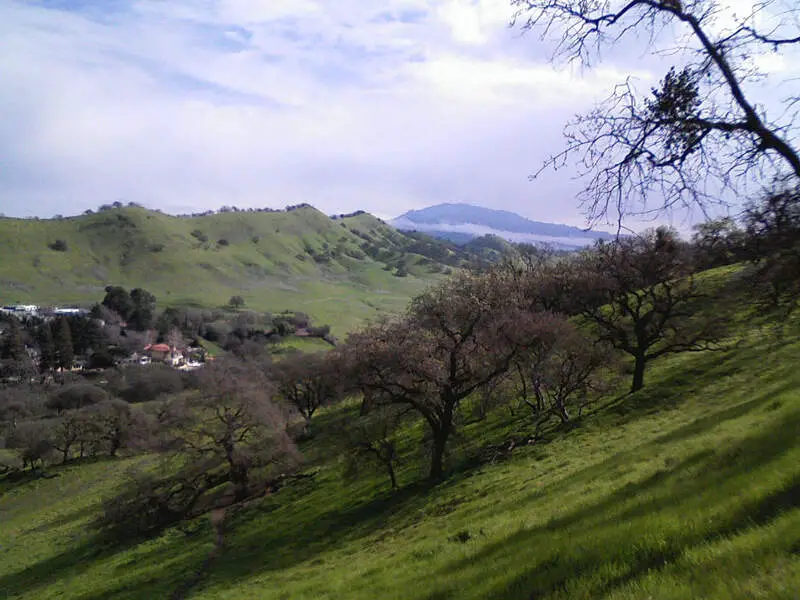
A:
(339, 270)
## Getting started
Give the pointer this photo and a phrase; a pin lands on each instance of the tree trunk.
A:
(237, 473)
(115, 444)
(392, 476)
(240, 481)
(562, 412)
(638, 373)
(437, 455)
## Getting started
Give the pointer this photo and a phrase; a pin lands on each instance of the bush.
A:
(76, 396)
(148, 382)
(102, 359)
(212, 334)
(320, 332)
(156, 248)
(32, 441)
(223, 242)
(236, 302)
(58, 246)
(199, 235)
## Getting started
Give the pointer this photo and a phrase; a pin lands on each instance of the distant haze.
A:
(470, 220)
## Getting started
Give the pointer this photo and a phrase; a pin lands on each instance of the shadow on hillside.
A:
(306, 535)
(68, 564)
(595, 547)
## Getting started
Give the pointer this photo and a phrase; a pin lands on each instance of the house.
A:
(159, 351)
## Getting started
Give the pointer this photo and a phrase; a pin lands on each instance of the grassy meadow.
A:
(689, 488)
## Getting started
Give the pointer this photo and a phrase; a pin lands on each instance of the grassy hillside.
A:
(687, 489)
(299, 260)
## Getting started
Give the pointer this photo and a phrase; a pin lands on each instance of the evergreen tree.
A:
(65, 355)
(144, 308)
(118, 300)
(48, 358)
(14, 359)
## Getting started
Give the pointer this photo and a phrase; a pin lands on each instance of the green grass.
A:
(266, 261)
(688, 489)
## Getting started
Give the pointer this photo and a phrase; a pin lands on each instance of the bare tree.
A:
(700, 131)
(566, 371)
(76, 396)
(233, 422)
(113, 424)
(175, 339)
(69, 431)
(455, 339)
(19, 403)
(33, 442)
(718, 242)
(640, 295)
(307, 382)
(370, 438)
(773, 242)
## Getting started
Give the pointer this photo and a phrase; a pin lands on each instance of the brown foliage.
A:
(231, 422)
(307, 382)
(454, 339)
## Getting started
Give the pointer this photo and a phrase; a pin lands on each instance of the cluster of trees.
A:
(76, 420)
(137, 307)
(551, 328)
(37, 345)
(228, 423)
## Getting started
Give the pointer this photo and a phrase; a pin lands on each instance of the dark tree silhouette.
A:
(696, 134)
(65, 354)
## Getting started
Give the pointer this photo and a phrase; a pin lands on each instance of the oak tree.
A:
(698, 133)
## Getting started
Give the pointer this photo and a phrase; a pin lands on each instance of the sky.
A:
(189, 105)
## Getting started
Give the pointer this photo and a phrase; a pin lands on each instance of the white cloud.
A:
(348, 105)
(474, 21)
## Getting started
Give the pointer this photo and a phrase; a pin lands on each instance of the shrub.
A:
(148, 382)
(199, 235)
(32, 441)
(76, 396)
(320, 332)
(58, 246)
(222, 242)
(102, 359)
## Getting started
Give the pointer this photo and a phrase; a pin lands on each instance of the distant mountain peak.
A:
(459, 221)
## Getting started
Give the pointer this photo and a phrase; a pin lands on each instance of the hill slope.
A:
(339, 271)
(687, 489)
(462, 222)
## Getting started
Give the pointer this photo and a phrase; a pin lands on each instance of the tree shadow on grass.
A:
(589, 556)
(95, 546)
